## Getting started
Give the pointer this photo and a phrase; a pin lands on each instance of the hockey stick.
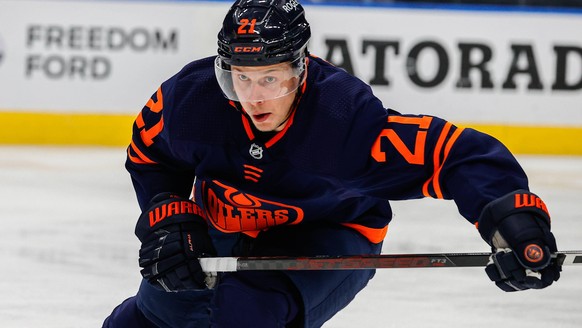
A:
(382, 261)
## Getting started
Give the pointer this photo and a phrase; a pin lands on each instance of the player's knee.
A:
(127, 315)
(261, 303)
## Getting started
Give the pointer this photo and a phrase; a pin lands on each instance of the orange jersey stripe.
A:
(281, 133)
(440, 143)
(450, 143)
(436, 157)
(252, 168)
(134, 159)
(374, 235)
(248, 129)
(453, 139)
(253, 173)
(435, 178)
(141, 159)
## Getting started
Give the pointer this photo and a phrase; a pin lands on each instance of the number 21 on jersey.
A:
(414, 154)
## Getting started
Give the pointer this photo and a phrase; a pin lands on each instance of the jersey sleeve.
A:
(153, 166)
(416, 156)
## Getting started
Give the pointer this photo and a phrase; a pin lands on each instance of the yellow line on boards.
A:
(65, 129)
(30, 128)
(543, 140)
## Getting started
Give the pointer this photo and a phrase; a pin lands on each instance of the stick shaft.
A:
(383, 261)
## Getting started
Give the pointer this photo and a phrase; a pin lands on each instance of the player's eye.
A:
(270, 79)
(243, 77)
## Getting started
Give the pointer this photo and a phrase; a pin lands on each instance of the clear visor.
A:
(259, 83)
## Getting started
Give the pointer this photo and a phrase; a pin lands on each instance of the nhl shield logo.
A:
(256, 151)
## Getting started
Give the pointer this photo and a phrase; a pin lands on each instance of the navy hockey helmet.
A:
(263, 32)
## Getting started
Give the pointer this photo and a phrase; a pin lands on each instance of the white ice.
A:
(69, 256)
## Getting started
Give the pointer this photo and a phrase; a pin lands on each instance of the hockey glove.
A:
(173, 237)
(517, 227)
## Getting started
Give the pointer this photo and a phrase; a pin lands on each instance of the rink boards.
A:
(81, 79)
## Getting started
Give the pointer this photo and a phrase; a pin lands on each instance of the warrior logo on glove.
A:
(163, 211)
(530, 200)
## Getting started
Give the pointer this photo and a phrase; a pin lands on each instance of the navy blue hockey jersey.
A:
(341, 157)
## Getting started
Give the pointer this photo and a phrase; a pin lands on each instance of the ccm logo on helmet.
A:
(248, 49)
(291, 5)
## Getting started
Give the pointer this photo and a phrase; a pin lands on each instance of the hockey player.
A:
(268, 150)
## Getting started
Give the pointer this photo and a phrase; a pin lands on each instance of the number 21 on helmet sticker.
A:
(244, 24)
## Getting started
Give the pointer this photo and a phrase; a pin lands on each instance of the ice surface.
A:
(69, 255)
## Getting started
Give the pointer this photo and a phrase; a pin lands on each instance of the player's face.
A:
(266, 93)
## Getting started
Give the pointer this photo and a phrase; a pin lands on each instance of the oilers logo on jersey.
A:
(231, 210)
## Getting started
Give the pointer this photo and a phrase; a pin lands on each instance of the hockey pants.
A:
(262, 298)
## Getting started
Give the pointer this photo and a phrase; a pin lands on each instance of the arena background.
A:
(509, 68)
(74, 74)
